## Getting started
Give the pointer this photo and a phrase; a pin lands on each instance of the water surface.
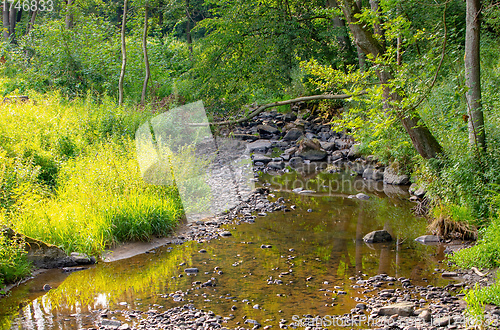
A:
(316, 251)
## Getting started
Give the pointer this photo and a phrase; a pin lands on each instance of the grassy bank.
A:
(69, 175)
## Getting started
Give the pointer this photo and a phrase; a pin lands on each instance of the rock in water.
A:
(378, 236)
(191, 270)
(402, 309)
(362, 196)
(426, 239)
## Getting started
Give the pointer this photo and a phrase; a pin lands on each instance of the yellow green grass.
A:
(69, 175)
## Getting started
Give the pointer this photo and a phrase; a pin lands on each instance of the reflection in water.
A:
(313, 255)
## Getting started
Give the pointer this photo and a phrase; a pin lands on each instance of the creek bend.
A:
(305, 261)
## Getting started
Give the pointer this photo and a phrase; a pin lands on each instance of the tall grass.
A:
(70, 177)
(13, 264)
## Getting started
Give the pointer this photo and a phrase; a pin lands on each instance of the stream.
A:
(285, 263)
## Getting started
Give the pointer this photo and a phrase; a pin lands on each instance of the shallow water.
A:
(315, 249)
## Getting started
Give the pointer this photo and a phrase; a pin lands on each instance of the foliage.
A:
(13, 262)
(251, 51)
(475, 307)
(87, 60)
(93, 195)
(489, 294)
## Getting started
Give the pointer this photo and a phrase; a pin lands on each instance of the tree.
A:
(145, 51)
(477, 133)
(9, 18)
(372, 44)
(69, 14)
(124, 54)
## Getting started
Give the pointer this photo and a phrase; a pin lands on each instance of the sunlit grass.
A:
(69, 175)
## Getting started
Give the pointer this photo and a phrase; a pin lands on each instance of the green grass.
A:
(69, 175)
(489, 294)
(485, 254)
(13, 262)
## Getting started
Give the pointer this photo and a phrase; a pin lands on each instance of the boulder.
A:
(82, 259)
(328, 146)
(293, 135)
(314, 155)
(378, 236)
(296, 162)
(257, 158)
(266, 131)
(343, 143)
(291, 151)
(45, 255)
(392, 177)
(354, 152)
(288, 117)
(373, 174)
(425, 315)
(402, 309)
(259, 146)
(420, 192)
(310, 149)
(335, 156)
(426, 239)
(310, 135)
(245, 137)
(276, 165)
(357, 167)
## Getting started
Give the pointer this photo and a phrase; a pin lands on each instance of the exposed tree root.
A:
(448, 228)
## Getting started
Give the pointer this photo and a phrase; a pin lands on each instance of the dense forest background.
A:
(422, 76)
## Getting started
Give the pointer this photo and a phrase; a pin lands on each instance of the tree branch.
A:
(276, 104)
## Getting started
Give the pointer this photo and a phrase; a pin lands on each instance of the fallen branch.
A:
(478, 272)
(276, 104)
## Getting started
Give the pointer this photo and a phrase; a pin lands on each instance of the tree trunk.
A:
(189, 41)
(12, 24)
(361, 55)
(146, 60)
(124, 54)
(477, 135)
(339, 25)
(423, 140)
(69, 15)
(6, 21)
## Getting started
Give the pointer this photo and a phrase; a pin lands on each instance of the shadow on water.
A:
(315, 252)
